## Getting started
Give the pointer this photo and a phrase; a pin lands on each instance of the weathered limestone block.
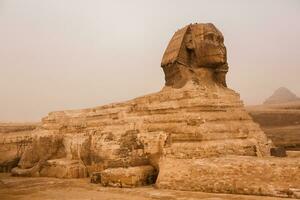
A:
(128, 177)
(205, 149)
(154, 144)
(14, 138)
(44, 147)
(232, 174)
(56, 156)
(78, 147)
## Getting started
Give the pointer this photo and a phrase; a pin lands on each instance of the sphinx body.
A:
(195, 123)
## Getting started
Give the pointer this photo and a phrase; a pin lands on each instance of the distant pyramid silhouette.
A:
(281, 95)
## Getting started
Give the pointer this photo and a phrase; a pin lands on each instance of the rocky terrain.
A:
(194, 134)
(280, 121)
(14, 138)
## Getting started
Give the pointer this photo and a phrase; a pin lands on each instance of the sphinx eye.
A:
(220, 39)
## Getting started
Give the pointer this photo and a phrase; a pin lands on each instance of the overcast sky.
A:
(68, 54)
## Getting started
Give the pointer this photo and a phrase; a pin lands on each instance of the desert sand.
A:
(16, 188)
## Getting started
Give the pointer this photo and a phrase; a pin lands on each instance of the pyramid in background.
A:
(281, 95)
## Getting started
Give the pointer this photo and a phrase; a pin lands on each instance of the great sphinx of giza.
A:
(194, 134)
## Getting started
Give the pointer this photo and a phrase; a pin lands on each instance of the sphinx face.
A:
(208, 45)
(196, 52)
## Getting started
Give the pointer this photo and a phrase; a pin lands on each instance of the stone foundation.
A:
(232, 174)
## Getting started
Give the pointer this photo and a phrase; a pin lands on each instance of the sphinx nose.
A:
(223, 49)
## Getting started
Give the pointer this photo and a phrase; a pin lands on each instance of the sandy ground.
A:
(51, 188)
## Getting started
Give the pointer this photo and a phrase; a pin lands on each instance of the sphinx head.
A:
(193, 49)
(207, 43)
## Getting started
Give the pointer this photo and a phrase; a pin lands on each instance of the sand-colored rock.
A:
(129, 177)
(231, 174)
(195, 118)
(14, 137)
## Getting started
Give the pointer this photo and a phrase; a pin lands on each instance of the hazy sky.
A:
(67, 54)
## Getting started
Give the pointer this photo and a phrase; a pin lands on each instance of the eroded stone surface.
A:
(129, 177)
(14, 138)
(232, 174)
